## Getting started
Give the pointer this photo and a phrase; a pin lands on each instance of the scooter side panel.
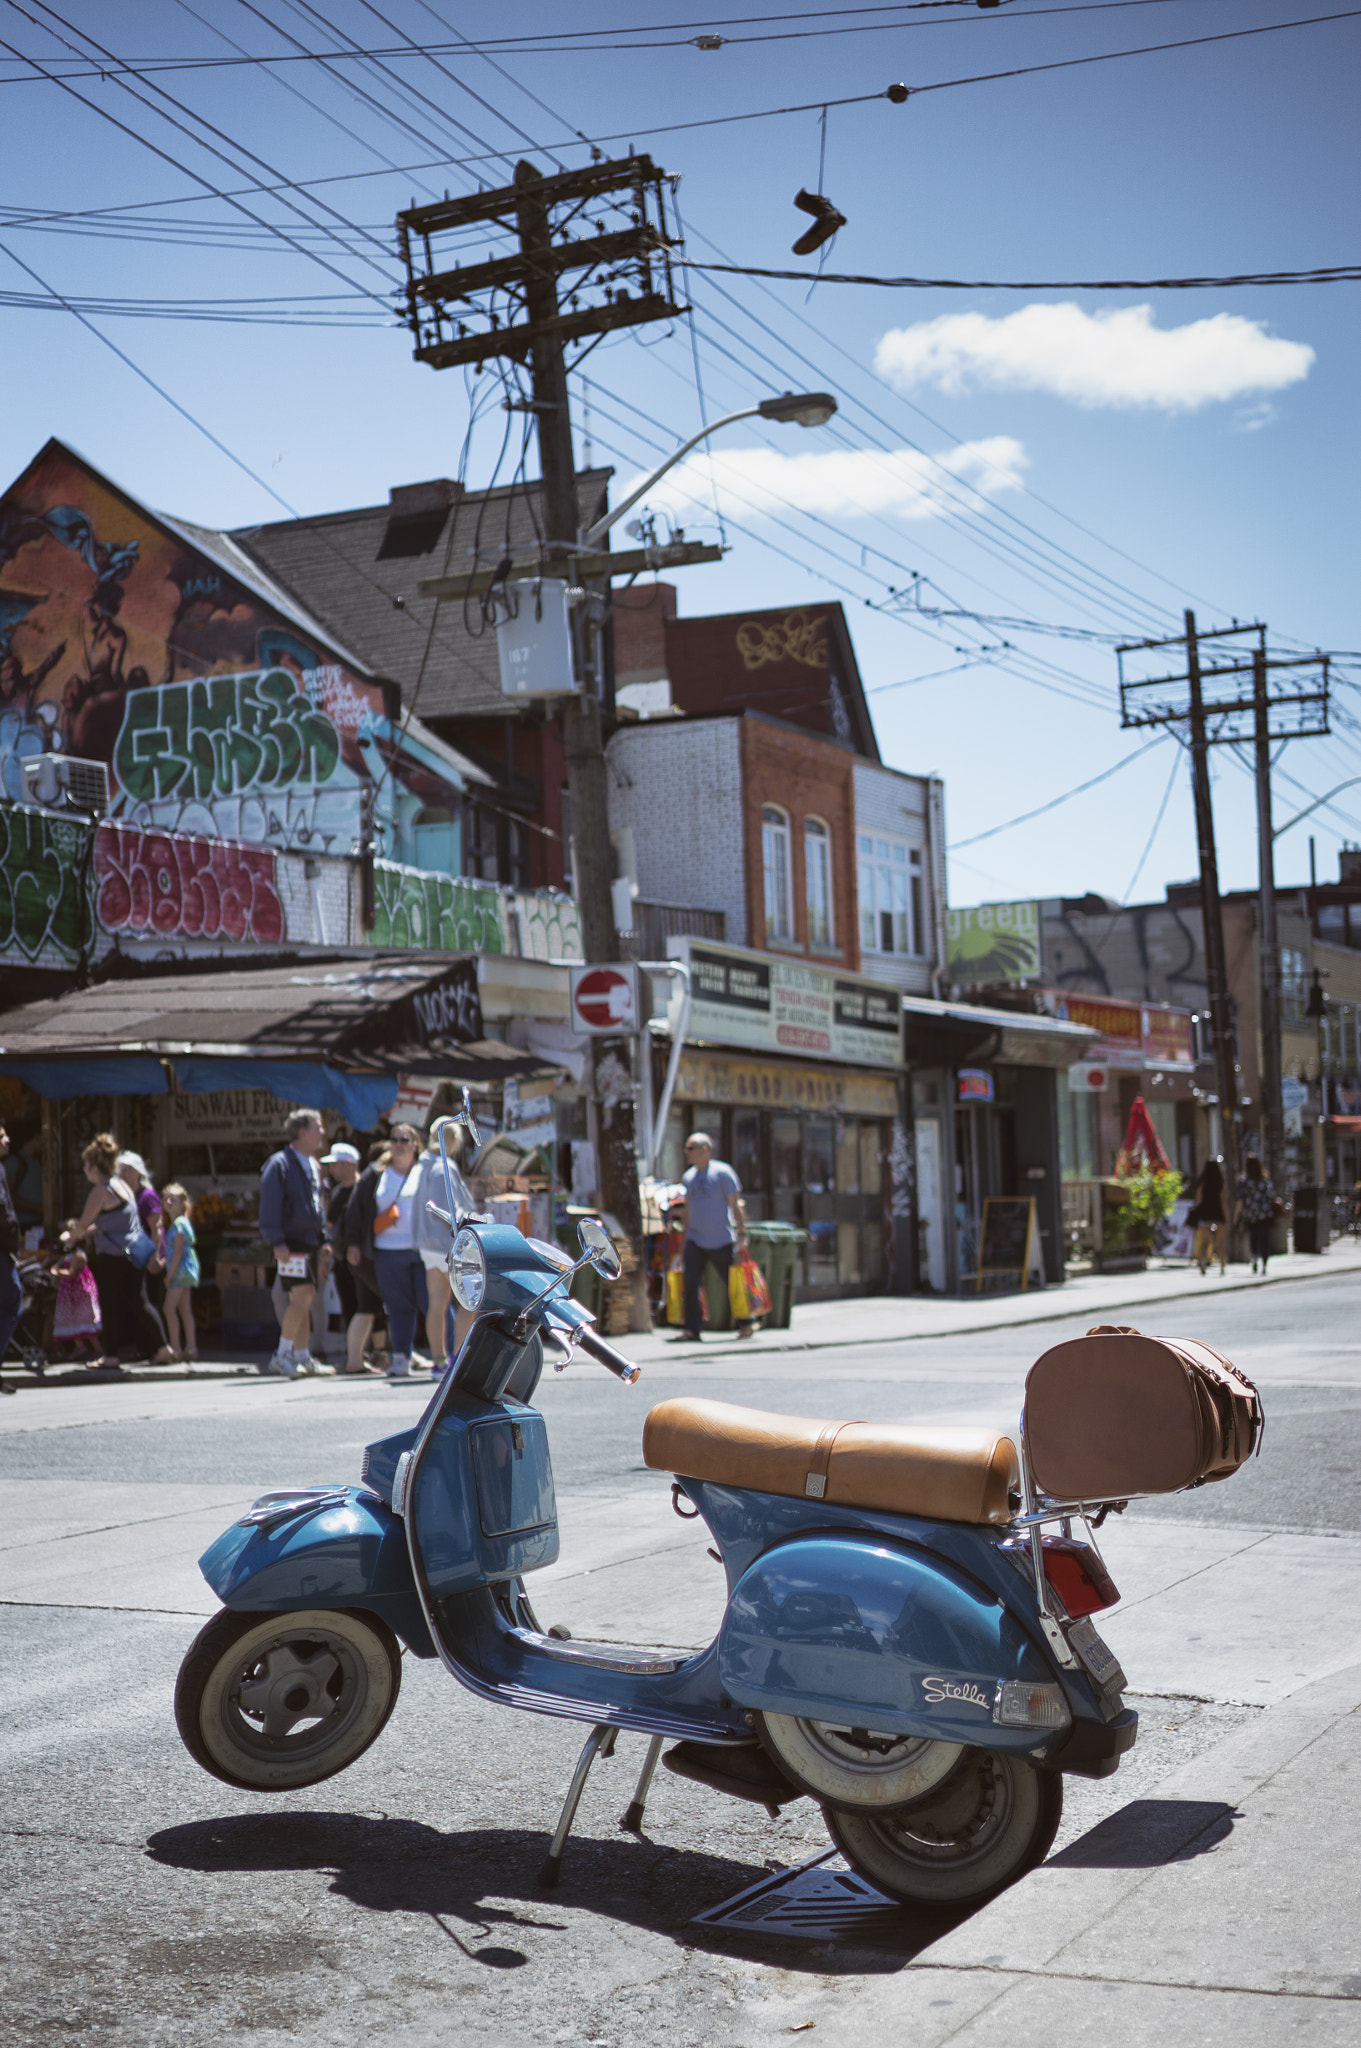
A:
(834, 1627)
(350, 1553)
(458, 1553)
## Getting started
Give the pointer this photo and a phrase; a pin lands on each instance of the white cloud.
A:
(1116, 358)
(840, 483)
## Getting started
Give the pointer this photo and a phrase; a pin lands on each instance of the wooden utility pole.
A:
(1212, 916)
(1268, 945)
(470, 313)
(1295, 707)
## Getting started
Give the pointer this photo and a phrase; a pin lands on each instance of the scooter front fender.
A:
(347, 1550)
(846, 1628)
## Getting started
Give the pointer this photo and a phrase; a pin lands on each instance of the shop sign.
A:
(994, 942)
(227, 1116)
(1132, 1035)
(772, 1004)
(1089, 1078)
(1295, 1094)
(706, 1077)
(975, 1085)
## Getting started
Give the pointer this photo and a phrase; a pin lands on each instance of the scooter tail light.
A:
(1021, 1705)
(1078, 1576)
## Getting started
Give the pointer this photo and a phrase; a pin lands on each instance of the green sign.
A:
(995, 942)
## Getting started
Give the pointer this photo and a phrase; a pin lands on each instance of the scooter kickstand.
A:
(600, 1742)
(632, 1822)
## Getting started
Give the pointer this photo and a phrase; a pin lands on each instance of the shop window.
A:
(847, 1157)
(786, 1167)
(747, 1160)
(818, 1150)
(820, 1263)
(849, 1272)
(871, 1156)
(1294, 985)
(892, 905)
(1078, 1113)
(779, 889)
(817, 869)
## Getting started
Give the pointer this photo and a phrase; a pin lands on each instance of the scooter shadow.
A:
(484, 1881)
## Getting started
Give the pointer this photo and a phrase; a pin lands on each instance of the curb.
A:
(747, 1348)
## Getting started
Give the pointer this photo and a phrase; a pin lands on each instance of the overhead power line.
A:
(1335, 273)
(1054, 801)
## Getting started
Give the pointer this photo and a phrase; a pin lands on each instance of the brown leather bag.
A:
(1115, 1414)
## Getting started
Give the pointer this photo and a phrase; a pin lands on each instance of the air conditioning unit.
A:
(60, 782)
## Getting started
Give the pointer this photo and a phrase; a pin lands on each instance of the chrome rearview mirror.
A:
(599, 1248)
(464, 1115)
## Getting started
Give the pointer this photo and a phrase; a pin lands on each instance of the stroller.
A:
(32, 1339)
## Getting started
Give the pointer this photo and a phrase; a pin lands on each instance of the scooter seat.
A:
(942, 1474)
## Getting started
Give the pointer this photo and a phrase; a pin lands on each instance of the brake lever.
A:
(562, 1342)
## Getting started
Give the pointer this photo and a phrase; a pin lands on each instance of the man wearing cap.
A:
(359, 1301)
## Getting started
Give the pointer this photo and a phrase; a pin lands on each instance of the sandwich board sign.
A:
(605, 999)
(1009, 1243)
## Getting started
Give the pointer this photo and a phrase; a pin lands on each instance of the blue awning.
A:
(360, 1098)
(113, 1073)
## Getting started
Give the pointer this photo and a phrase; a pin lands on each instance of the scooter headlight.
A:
(468, 1269)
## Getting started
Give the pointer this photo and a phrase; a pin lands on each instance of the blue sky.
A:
(1056, 457)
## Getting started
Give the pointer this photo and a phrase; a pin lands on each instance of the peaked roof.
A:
(442, 656)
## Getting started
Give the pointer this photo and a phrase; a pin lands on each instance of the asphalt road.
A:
(144, 1902)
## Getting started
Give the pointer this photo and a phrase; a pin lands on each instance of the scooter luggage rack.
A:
(1038, 1508)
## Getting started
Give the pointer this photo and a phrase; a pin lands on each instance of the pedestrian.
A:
(715, 1224)
(77, 1319)
(1256, 1208)
(1211, 1223)
(358, 1290)
(434, 1241)
(136, 1174)
(11, 1293)
(181, 1272)
(293, 1223)
(122, 1252)
(397, 1262)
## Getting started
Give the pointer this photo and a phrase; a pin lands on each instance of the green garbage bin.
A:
(775, 1248)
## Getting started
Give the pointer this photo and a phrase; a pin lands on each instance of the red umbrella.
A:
(1142, 1151)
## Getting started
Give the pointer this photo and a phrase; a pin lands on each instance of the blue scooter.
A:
(901, 1641)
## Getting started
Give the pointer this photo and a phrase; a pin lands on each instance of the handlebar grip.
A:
(606, 1355)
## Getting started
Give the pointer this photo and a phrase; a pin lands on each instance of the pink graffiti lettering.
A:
(186, 888)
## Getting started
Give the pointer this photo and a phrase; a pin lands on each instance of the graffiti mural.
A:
(43, 905)
(124, 641)
(150, 883)
(434, 913)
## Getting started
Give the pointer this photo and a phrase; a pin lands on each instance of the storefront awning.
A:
(944, 1034)
(339, 1034)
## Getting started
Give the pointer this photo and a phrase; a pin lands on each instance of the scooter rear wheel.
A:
(992, 1820)
(272, 1702)
(856, 1767)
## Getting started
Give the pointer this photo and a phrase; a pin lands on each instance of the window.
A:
(892, 907)
(1294, 985)
(775, 861)
(817, 867)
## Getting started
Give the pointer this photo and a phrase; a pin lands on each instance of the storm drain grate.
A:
(820, 1899)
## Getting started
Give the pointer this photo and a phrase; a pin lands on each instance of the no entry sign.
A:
(605, 999)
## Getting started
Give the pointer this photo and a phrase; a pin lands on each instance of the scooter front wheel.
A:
(272, 1702)
(992, 1820)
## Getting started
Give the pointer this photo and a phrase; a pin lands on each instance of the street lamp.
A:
(797, 408)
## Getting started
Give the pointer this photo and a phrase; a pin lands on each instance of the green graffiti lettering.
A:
(223, 736)
(416, 912)
(41, 908)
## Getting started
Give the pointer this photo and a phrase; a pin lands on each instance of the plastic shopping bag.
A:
(754, 1280)
(675, 1296)
(737, 1293)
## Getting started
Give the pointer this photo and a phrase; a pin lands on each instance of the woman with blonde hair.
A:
(109, 1221)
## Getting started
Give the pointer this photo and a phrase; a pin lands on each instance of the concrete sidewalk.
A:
(894, 1318)
(1222, 1909)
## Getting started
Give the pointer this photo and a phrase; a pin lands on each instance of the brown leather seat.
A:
(945, 1474)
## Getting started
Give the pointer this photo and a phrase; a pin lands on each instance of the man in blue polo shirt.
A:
(715, 1222)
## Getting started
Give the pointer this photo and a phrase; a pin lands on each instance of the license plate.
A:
(1098, 1657)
